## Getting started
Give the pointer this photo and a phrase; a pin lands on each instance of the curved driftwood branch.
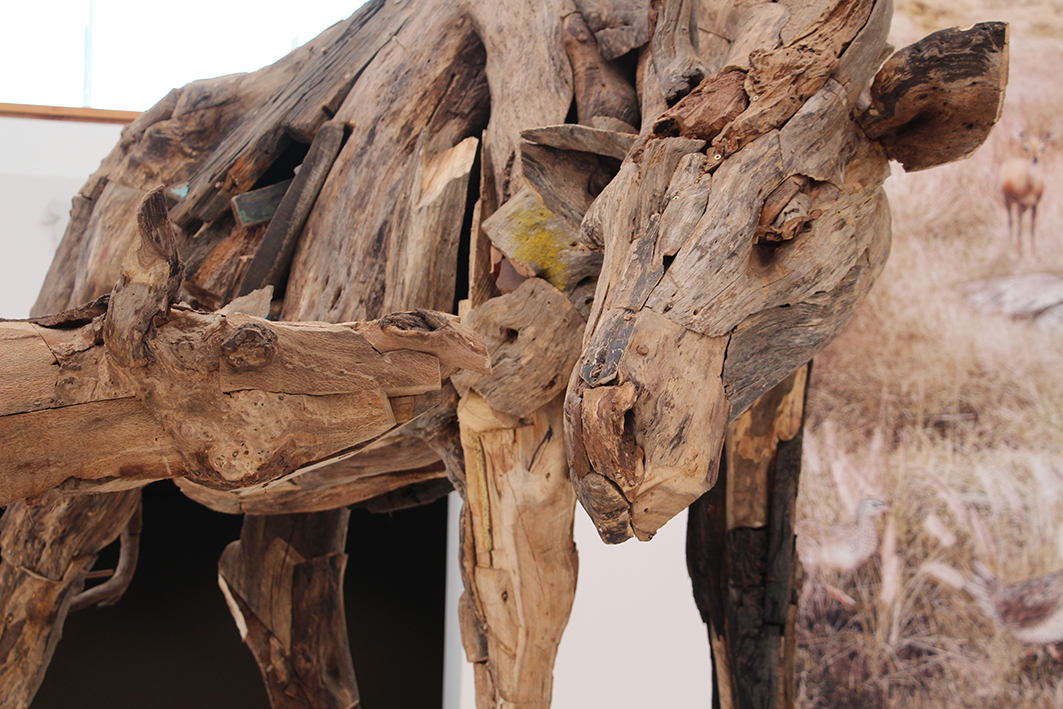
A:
(47, 549)
(111, 591)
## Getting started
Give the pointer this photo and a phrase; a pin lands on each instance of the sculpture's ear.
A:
(936, 101)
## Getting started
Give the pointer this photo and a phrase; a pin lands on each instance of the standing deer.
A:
(1023, 185)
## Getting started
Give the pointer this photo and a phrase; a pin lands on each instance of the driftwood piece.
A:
(568, 166)
(313, 94)
(601, 90)
(674, 48)
(583, 139)
(520, 579)
(229, 396)
(951, 77)
(184, 432)
(706, 110)
(47, 548)
(274, 253)
(718, 29)
(538, 94)
(533, 334)
(781, 80)
(740, 553)
(63, 270)
(759, 29)
(433, 234)
(218, 260)
(259, 206)
(284, 584)
(618, 25)
(110, 231)
(544, 243)
(111, 591)
(396, 166)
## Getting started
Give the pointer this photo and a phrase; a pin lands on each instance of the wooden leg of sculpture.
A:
(283, 581)
(740, 553)
(47, 550)
(518, 559)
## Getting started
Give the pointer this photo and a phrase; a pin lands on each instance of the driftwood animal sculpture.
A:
(673, 261)
(1031, 610)
(1022, 185)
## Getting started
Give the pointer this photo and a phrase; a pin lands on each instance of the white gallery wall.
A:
(43, 163)
(634, 639)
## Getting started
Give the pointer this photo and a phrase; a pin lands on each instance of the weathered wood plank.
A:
(28, 371)
(259, 206)
(283, 581)
(215, 278)
(273, 257)
(437, 98)
(520, 579)
(422, 259)
(320, 359)
(298, 110)
(129, 448)
(584, 139)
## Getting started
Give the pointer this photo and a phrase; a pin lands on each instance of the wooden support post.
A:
(47, 549)
(520, 577)
(740, 553)
(283, 581)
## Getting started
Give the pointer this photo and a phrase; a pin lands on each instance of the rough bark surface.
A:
(284, 584)
(740, 553)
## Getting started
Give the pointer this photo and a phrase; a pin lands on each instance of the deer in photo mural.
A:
(1022, 183)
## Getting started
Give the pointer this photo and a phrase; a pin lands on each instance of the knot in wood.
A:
(420, 320)
(251, 346)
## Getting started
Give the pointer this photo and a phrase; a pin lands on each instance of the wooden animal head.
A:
(739, 235)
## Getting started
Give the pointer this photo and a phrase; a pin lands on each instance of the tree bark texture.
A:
(283, 581)
(640, 276)
(741, 556)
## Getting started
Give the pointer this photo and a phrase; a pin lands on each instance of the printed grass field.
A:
(952, 416)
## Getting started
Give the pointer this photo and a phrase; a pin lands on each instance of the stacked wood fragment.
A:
(628, 284)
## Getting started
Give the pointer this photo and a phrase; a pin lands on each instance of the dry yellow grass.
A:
(953, 416)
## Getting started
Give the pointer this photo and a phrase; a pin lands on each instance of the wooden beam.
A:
(67, 113)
